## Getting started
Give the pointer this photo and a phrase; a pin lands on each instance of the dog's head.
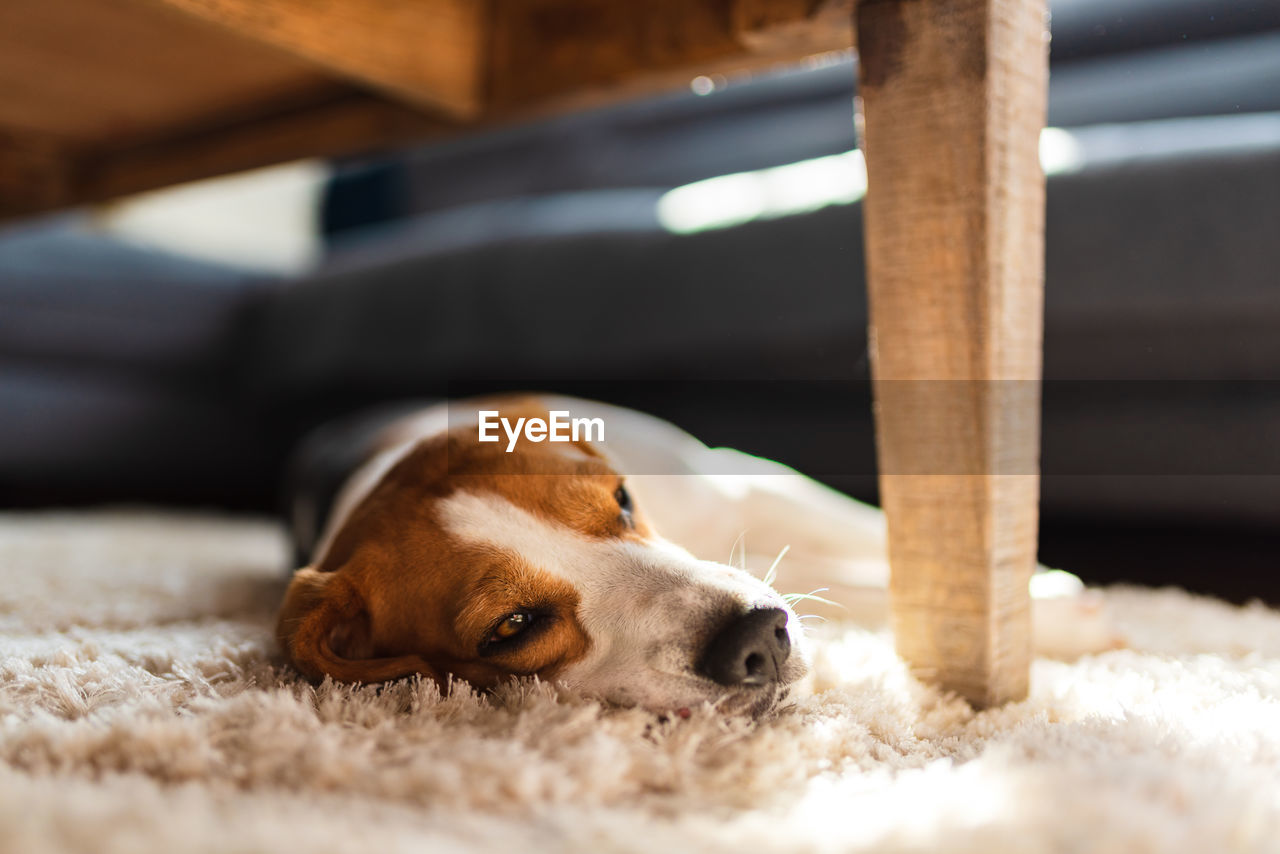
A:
(468, 561)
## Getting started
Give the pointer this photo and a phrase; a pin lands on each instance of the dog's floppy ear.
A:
(324, 630)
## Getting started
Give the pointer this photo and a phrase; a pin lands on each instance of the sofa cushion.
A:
(69, 297)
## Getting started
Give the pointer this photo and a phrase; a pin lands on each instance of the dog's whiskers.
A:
(772, 575)
(811, 596)
(742, 555)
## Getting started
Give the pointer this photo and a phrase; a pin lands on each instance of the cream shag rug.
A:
(143, 708)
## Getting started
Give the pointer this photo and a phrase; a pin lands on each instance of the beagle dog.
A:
(624, 565)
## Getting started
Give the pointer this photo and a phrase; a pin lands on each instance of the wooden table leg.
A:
(953, 96)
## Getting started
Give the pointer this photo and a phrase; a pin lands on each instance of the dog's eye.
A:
(624, 502)
(511, 625)
(516, 629)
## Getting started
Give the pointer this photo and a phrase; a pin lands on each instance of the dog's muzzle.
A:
(749, 650)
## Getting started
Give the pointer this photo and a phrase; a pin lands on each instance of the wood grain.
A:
(342, 125)
(794, 27)
(88, 73)
(584, 51)
(101, 97)
(428, 52)
(953, 95)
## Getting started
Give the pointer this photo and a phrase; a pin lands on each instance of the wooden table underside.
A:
(100, 98)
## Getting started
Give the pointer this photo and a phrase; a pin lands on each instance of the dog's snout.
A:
(750, 650)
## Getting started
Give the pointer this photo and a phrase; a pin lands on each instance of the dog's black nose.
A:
(749, 650)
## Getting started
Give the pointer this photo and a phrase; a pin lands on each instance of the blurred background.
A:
(697, 254)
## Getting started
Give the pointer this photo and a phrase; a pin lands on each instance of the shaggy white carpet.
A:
(143, 709)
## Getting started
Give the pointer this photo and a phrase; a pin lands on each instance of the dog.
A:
(444, 543)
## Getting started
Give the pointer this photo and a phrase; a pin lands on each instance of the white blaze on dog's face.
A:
(468, 561)
(650, 609)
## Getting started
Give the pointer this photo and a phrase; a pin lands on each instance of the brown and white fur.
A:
(436, 539)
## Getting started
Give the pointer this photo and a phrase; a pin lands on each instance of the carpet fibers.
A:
(143, 708)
